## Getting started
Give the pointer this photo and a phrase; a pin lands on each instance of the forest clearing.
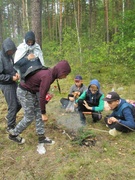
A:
(105, 158)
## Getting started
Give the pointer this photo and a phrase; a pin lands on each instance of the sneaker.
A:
(47, 141)
(114, 132)
(17, 139)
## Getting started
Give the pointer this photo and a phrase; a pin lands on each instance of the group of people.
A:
(34, 83)
(25, 82)
(91, 101)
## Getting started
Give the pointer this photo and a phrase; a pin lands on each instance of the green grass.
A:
(112, 158)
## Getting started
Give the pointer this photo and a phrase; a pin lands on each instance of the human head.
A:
(112, 99)
(30, 38)
(8, 47)
(94, 86)
(61, 69)
(78, 80)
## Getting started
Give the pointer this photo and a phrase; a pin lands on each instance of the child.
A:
(28, 53)
(91, 101)
(122, 118)
(8, 81)
(75, 91)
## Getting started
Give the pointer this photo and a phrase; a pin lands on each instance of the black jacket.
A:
(6, 62)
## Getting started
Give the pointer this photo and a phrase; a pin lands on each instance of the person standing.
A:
(8, 81)
(34, 106)
(28, 53)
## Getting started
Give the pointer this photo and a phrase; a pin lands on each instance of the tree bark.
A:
(36, 20)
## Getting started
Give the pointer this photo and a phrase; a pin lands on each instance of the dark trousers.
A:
(117, 126)
(13, 104)
(96, 116)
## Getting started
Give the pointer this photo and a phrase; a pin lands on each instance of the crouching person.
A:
(91, 102)
(122, 118)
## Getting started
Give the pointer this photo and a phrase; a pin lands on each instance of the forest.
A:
(92, 34)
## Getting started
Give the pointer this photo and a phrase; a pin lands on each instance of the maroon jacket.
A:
(42, 80)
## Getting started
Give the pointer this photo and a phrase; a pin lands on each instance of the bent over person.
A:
(8, 81)
(34, 106)
(122, 118)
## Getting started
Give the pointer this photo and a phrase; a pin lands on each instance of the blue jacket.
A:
(124, 113)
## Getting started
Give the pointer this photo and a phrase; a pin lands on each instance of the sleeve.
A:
(100, 107)
(129, 119)
(44, 88)
(38, 53)
(5, 78)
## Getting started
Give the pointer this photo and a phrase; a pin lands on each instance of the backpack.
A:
(32, 70)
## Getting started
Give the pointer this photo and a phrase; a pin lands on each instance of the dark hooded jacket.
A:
(42, 80)
(6, 62)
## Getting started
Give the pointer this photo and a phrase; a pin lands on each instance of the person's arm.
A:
(21, 62)
(44, 88)
(38, 53)
(100, 107)
(6, 78)
(129, 119)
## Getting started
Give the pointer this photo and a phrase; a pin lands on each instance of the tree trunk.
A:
(60, 27)
(1, 34)
(77, 30)
(106, 20)
(36, 19)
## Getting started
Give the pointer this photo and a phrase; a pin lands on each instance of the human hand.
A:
(86, 105)
(44, 117)
(112, 120)
(71, 98)
(76, 94)
(31, 56)
(75, 105)
(16, 77)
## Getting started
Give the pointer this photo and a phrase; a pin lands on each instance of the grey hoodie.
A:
(6, 62)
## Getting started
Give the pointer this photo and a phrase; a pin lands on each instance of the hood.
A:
(62, 68)
(30, 36)
(8, 44)
(96, 83)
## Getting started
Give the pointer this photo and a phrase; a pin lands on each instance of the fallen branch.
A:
(98, 130)
(64, 132)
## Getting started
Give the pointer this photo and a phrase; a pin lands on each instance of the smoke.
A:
(70, 120)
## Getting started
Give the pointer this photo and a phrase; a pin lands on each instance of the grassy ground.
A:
(109, 159)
